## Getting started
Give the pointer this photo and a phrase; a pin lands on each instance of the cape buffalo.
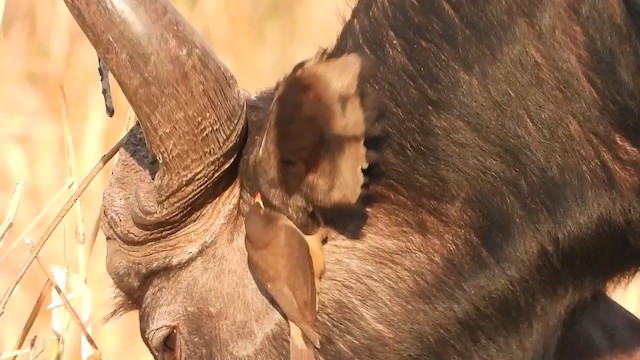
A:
(508, 192)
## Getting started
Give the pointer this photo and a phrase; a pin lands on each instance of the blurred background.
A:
(42, 54)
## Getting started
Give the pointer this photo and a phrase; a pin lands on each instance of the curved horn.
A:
(188, 103)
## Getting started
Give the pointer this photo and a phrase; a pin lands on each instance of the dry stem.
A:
(37, 219)
(32, 317)
(92, 240)
(71, 162)
(67, 304)
(52, 226)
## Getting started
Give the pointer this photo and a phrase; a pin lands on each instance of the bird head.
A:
(260, 224)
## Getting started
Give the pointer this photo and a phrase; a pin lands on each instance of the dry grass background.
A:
(42, 50)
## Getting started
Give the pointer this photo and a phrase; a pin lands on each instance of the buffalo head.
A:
(509, 190)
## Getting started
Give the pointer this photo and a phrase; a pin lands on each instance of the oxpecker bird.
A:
(280, 260)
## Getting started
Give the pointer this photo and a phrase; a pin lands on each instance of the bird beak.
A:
(258, 199)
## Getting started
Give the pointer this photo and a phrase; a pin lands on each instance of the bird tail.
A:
(299, 347)
(310, 334)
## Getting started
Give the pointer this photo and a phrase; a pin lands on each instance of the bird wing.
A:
(279, 258)
(296, 267)
(318, 121)
(301, 315)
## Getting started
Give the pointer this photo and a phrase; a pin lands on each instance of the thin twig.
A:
(37, 347)
(7, 224)
(32, 316)
(59, 320)
(71, 162)
(65, 301)
(58, 315)
(85, 299)
(52, 226)
(130, 121)
(37, 219)
(91, 241)
(86, 349)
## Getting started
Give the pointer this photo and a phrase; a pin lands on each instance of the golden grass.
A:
(53, 128)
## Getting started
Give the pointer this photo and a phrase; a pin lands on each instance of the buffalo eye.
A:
(164, 342)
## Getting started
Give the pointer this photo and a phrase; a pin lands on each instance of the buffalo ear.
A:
(321, 115)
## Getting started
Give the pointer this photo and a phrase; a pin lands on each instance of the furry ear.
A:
(319, 119)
